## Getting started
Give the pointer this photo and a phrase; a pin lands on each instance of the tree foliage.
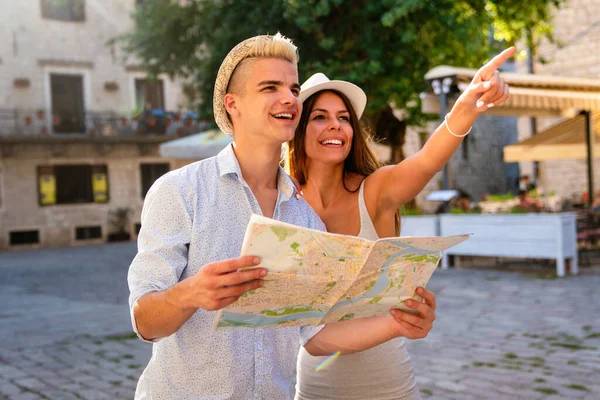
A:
(384, 46)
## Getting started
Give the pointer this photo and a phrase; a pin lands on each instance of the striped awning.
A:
(530, 94)
(566, 140)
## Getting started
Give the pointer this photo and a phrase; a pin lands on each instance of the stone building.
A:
(478, 167)
(576, 54)
(80, 123)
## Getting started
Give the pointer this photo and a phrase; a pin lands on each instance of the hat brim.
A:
(355, 94)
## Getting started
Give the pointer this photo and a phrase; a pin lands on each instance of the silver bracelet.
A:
(450, 130)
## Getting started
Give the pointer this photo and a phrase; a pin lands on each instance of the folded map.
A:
(317, 277)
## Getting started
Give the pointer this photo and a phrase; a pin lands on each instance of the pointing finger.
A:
(498, 60)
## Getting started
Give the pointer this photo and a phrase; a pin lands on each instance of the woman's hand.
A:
(418, 325)
(487, 89)
(299, 192)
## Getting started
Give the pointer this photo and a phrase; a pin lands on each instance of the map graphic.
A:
(318, 277)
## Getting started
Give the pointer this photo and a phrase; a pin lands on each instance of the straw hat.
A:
(319, 82)
(231, 61)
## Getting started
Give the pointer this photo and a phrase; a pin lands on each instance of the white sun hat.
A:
(319, 82)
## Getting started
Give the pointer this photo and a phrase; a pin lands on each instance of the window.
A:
(88, 232)
(63, 10)
(24, 237)
(71, 184)
(149, 94)
(150, 173)
(66, 92)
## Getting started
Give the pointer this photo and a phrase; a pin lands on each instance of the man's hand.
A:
(487, 89)
(218, 284)
(416, 326)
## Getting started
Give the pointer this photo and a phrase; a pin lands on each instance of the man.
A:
(193, 224)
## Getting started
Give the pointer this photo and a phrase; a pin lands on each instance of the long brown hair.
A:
(360, 160)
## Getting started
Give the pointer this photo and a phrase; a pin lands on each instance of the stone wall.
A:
(33, 47)
(19, 202)
(478, 167)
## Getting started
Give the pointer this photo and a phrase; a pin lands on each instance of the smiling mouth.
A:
(332, 142)
(284, 116)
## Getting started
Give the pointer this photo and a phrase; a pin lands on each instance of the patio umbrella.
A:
(199, 146)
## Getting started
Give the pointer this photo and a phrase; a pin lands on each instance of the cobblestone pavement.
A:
(500, 334)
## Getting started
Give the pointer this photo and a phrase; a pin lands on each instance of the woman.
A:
(342, 181)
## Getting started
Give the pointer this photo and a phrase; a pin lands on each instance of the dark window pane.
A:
(149, 94)
(73, 184)
(88, 232)
(68, 114)
(24, 237)
(63, 10)
(150, 173)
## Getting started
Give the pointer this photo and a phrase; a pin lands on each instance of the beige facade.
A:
(577, 54)
(21, 211)
(40, 47)
(35, 47)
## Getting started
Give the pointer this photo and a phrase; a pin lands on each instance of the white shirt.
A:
(206, 206)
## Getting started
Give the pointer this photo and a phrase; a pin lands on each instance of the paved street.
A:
(500, 334)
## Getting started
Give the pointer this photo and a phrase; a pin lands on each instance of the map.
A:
(317, 277)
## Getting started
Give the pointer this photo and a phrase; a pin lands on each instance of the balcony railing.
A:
(19, 122)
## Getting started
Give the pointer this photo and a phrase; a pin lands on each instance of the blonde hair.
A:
(277, 46)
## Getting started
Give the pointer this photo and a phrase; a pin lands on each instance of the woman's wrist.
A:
(460, 119)
(462, 135)
(464, 111)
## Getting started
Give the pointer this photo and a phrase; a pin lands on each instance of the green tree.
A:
(384, 46)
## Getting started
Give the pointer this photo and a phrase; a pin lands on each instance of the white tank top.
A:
(383, 372)
(367, 229)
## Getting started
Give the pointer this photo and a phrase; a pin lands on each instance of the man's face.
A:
(268, 106)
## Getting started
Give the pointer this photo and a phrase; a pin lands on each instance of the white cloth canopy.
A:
(199, 146)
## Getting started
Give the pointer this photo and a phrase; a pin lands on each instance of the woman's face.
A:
(329, 131)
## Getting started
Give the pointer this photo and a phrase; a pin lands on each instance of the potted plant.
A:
(119, 220)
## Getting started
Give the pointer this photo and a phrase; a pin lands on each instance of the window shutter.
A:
(100, 183)
(46, 185)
